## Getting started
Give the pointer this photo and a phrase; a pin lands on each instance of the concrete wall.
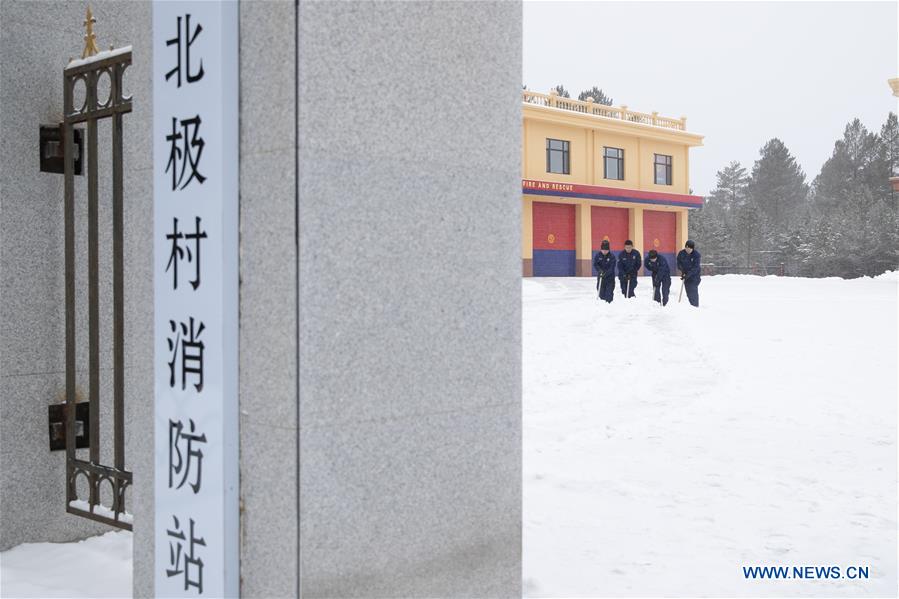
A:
(32, 342)
(407, 169)
(268, 354)
(409, 122)
(36, 41)
(268, 329)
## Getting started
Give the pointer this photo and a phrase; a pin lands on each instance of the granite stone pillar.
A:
(409, 188)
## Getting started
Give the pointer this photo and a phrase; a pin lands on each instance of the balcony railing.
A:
(554, 100)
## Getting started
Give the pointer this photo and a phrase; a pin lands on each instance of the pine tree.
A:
(777, 186)
(749, 222)
(563, 93)
(850, 173)
(730, 191)
(718, 217)
(709, 223)
(846, 224)
(889, 143)
(889, 133)
(853, 196)
(597, 94)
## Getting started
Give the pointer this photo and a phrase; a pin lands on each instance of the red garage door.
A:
(553, 240)
(660, 234)
(608, 223)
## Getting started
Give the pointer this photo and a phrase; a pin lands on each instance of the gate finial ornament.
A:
(90, 38)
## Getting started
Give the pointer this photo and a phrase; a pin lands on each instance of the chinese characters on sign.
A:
(195, 297)
(178, 440)
(182, 146)
(178, 252)
(182, 568)
(188, 40)
(191, 353)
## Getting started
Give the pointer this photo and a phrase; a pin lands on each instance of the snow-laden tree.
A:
(730, 190)
(777, 186)
(889, 154)
(714, 223)
(597, 94)
(563, 93)
(850, 172)
(846, 224)
(749, 223)
(710, 224)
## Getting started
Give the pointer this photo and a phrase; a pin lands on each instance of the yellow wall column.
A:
(682, 233)
(591, 160)
(583, 252)
(524, 151)
(635, 229)
(638, 160)
(527, 237)
(686, 172)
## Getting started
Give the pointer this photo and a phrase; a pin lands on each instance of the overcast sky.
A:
(741, 72)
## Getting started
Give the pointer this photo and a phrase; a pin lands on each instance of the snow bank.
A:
(95, 567)
(666, 448)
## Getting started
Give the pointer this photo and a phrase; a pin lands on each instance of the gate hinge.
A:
(57, 419)
(52, 149)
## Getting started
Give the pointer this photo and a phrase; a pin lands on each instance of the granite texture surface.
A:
(409, 299)
(36, 41)
(268, 331)
(379, 217)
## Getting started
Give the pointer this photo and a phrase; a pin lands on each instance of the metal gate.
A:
(89, 72)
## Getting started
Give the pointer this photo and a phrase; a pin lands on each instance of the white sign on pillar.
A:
(195, 186)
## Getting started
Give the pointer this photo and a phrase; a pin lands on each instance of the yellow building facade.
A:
(592, 172)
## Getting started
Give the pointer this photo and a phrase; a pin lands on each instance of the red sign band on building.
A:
(596, 192)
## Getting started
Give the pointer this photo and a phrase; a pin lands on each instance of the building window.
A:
(557, 160)
(663, 169)
(613, 160)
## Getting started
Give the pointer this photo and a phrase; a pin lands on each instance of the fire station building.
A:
(593, 172)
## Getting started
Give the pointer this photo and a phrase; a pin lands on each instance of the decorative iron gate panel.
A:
(111, 64)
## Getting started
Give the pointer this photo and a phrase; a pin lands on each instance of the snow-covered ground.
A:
(96, 567)
(665, 449)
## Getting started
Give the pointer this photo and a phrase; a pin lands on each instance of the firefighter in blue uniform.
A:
(661, 276)
(604, 264)
(688, 262)
(629, 263)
